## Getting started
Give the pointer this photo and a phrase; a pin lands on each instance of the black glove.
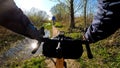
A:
(40, 37)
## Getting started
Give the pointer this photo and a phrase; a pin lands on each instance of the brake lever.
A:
(89, 53)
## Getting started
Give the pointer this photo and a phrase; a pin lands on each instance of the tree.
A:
(37, 16)
(72, 25)
(85, 14)
(60, 11)
(73, 6)
(89, 11)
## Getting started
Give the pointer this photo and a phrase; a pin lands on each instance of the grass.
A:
(34, 62)
(106, 55)
(103, 57)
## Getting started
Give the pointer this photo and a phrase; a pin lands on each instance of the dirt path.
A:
(70, 63)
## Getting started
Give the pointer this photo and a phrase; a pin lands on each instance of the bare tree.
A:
(59, 10)
(73, 6)
(72, 24)
(37, 16)
(85, 12)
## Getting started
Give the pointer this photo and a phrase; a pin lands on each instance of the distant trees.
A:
(74, 8)
(60, 11)
(38, 17)
(71, 7)
(89, 9)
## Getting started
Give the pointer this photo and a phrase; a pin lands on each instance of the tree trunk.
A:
(85, 13)
(72, 24)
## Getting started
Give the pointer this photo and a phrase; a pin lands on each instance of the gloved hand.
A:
(41, 34)
(40, 37)
(84, 37)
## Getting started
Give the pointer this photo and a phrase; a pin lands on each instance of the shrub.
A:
(58, 24)
(47, 26)
(74, 35)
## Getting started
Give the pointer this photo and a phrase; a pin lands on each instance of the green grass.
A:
(104, 56)
(34, 62)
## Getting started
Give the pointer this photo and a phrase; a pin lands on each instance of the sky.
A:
(44, 5)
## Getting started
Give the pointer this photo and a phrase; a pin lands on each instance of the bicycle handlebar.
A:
(62, 38)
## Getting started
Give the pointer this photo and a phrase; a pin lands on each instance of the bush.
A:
(47, 26)
(58, 24)
(74, 35)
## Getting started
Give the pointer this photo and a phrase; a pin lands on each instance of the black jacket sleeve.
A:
(105, 22)
(15, 20)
